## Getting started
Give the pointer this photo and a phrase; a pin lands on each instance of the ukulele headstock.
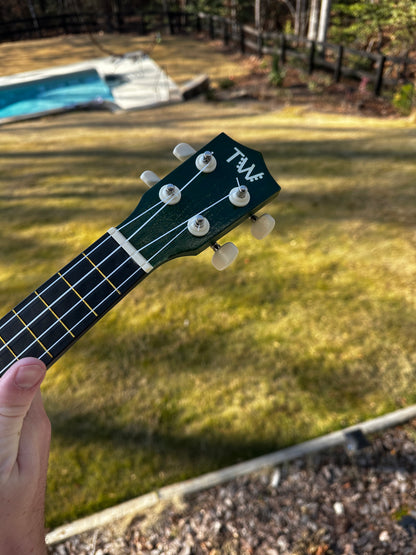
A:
(210, 193)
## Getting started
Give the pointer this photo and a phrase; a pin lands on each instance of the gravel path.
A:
(357, 500)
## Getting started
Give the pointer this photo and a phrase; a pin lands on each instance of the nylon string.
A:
(92, 270)
(102, 261)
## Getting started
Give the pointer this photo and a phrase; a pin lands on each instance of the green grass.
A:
(308, 331)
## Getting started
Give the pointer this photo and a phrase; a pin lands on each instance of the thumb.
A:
(18, 388)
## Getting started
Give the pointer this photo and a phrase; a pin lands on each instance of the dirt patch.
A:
(316, 92)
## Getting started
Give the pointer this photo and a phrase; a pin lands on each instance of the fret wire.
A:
(8, 348)
(83, 299)
(70, 331)
(78, 295)
(54, 313)
(32, 334)
(104, 276)
(57, 300)
(95, 248)
(106, 237)
(80, 321)
(66, 292)
(70, 310)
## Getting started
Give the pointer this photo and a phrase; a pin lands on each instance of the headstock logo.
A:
(241, 161)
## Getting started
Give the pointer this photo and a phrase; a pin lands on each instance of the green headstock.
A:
(210, 193)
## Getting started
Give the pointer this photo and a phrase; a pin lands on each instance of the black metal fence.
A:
(341, 61)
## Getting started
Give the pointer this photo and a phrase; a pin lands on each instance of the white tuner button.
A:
(206, 162)
(239, 196)
(262, 225)
(198, 226)
(223, 255)
(170, 194)
(183, 151)
(150, 178)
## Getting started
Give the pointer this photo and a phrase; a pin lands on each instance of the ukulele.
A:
(210, 193)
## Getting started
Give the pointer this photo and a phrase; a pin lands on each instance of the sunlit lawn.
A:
(308, 331)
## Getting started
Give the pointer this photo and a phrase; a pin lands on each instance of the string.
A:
(102, 261)
(161, 208)
(106, 237)
(81, 300)
(101, 302)
(178, 226)
(69, 330)
(100, 245)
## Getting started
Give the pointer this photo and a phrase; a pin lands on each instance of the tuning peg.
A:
(183, 151)
(206, 162)
(224, 255)
(262, 225)
(150, 178)
(239, 196)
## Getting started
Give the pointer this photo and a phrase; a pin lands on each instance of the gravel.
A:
(354, 500)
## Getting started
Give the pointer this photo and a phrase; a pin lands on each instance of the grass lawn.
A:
(308, 331)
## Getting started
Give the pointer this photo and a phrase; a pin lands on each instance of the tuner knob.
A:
(183, 151)
(262, 225)
(224, 255)
(239, 196)
(170, 194)
(206, 162)
(150, 178)
(198, 226)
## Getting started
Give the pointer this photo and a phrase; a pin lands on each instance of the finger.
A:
(17, 390)
(35, 439)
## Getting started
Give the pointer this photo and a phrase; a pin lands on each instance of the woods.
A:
(385, 26)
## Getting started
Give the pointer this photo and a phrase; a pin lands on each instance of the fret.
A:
(7, 355)
(58, 312)
(117, 267)
(54, 313)
(15, 339)
(32, 333)
(64, 307)
(81, 298)
(101, 273)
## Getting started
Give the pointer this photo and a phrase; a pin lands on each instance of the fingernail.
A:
(29, 375)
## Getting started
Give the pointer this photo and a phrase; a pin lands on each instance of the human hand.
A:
(24, 450)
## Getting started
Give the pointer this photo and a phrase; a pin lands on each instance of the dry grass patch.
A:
(308, 331)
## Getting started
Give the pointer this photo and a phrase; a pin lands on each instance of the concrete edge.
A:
(134, 506)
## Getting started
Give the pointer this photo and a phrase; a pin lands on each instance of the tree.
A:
(324, 20)
(300, 17)
(385, 25)
(314, 19)
(257, 14)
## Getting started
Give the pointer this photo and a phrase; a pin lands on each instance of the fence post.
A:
(311, 57)
(259, 44)
(283, 45)
(338, 64)
(379, 75)
(198, 23)
(242, 40)
(211, 27)
(403, 71)
(171, 23)
(226, 36)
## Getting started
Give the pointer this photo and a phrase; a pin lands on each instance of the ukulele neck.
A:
(54, 316)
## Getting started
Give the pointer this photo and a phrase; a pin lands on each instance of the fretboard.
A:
(56, 314)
